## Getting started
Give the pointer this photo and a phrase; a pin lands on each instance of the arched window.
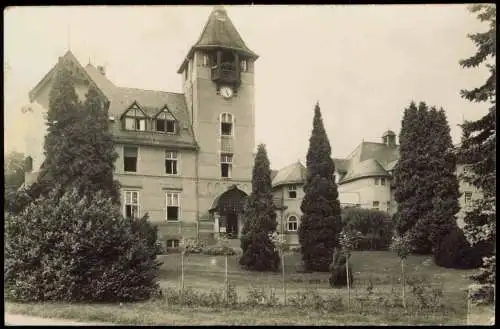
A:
(226, 124)
(292, 223)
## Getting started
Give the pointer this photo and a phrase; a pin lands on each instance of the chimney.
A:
(389, 138)
(101, 70)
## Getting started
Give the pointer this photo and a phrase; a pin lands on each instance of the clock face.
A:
(226, 92)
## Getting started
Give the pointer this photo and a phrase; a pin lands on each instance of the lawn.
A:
(207, 272)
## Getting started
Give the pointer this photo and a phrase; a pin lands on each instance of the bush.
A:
(218, 250)
(73, 249)
(454, 251)
(482, 294)
(338, 277)
(259, 252)
(375, 227)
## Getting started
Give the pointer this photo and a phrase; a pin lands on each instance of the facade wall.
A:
(366, 192)
(292, 209)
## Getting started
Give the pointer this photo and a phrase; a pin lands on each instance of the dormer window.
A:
(165, 123)
(226, 124)
(135, 119)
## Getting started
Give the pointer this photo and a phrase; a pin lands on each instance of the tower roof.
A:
(219, 32)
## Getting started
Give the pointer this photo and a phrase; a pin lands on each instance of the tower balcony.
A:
(225, 73)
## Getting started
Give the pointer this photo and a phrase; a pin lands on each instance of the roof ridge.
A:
(161, 91)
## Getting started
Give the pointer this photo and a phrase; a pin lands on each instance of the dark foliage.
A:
(75, 249)
(260, 219)
(320, 222)
(456, 252)
(338, 271)
(375, 227)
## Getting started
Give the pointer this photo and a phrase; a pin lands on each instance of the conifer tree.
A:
(478, 147)
(320, 224)
(259, 253)
(442, 219)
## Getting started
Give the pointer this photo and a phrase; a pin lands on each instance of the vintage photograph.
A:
(250, 165)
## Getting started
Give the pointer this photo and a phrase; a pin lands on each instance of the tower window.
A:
(226, 124)
(173, 206)
(170, 163)
(131, 204)
(226, 165)
(292, 192)
(244, 65)
(130, 159)
(382, 181)
(205, 60)
(292, 223)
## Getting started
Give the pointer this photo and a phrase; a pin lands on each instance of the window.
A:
(170, 163)
(226, 124)
(135, 124)
(165, 123)
(172, 243)
(226, 164)
(173, 206)
(376, 181)
(292, 224)
(131, 204)
(382, 181)
(204, 61)
(376, 205)
(134, 119)
(130, 159)
(292, 191)
(467, 197)
(244, 65)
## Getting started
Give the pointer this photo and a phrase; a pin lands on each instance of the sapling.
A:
(348, 240)
(224, 243)
(281, 245)
(401, 245)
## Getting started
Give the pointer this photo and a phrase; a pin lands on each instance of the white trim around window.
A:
(137, 158)
(228, 118)
(292, 191)
(131, 203)
(292, 223)
(173, 156)
(172, 206)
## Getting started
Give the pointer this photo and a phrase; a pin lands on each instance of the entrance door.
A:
(232, 225)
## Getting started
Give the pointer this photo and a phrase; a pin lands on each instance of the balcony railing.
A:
(225, 73)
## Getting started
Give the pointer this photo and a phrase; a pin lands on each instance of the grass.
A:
(207, 272)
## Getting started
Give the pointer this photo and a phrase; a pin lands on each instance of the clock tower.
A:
(218, 81)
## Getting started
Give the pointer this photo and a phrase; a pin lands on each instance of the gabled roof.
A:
(69, 56)
(294, 173)
(150, 102)
(219, 32)
(341, 165)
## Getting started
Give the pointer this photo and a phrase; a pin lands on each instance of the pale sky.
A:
(363, 63)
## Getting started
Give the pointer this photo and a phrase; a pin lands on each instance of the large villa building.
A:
(186, 158)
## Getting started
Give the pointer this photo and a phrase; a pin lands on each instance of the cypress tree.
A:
(478, 148)
(320, 224)
(259, 253)
(445, 206)
(406, 182)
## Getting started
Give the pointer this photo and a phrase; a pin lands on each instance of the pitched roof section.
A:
(219, 32)
(151, 102)
(70, 57)
(294, 173)
(367, 168)
(366, 160)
